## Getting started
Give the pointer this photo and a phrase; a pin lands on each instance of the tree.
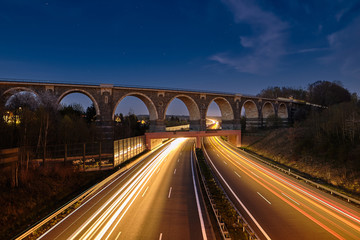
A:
(90, 114)
(285, 92)
(327, 93)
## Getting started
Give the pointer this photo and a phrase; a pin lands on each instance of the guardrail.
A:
(320, 186)
(221, 225)
(240, 219)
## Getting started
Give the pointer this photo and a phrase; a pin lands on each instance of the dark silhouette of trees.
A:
(323, 93)
(90, 114)
(129, 126)
(285, 92)
(327, 93)
(175, 121)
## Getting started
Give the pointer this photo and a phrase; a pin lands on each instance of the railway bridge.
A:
(106, 98)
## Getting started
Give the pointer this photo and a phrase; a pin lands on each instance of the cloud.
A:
(264, 47)
(345, 48)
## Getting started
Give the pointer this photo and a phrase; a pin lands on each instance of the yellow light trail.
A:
(104, 221)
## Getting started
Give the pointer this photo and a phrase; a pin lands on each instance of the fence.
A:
(9, 158)
(78, 153)
(128, 148)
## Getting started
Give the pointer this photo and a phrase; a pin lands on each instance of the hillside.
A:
(295, 148)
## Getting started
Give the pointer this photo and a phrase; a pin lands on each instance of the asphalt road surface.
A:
(156, 199)
(278, 206)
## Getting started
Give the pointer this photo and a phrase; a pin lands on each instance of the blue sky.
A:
(239, 46)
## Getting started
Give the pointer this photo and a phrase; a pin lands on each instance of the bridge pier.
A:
(157, 126)
(227, 125)
(235, 140)
(195, 125)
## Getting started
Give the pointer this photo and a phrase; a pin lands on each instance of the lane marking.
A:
(145, 191)
(225, 163)
(237, 199)
(158, 171)
(118, 236)
(264, 198)
(197, 201)
(290, 198)
(160, 237)
(169, 192)
(237, 174)
(175, 171)
(254, 174)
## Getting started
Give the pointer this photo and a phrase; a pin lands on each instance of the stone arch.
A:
(268, 109)
(146, 100)
(5, 95)
(282, 111)
(251, 110)
(83, 92)
(226, 110)
(192, 107)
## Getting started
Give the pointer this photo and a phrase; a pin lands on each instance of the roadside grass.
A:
(304, 174)
(41, 191)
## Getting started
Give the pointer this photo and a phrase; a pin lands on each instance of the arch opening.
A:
(191, 110)
(249, 110)
(177, 116)
(79, 96)
(78, 114)
(282, 111)
(249, 115)
(224, 111)
(19, 104)
(131, 118)
(150, 106)
(268, 110)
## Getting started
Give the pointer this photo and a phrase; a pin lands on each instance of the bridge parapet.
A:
(234, 136)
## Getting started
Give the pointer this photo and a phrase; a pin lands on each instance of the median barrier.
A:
(241, 220)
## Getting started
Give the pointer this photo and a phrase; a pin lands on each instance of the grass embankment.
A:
(289, 148)
(41, 191)
(226, 210)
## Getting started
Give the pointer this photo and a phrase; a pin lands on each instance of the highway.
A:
(156, 199)
(278, 206)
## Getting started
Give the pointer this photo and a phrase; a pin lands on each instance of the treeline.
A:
(171, 121)
(332, 135)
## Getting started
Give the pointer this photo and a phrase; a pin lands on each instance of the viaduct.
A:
(106, 98)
